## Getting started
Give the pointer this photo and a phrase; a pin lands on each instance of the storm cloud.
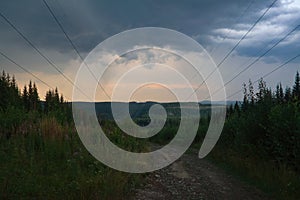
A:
(217, 25)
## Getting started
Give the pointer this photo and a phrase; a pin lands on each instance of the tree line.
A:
(17, 104)
(266, 124)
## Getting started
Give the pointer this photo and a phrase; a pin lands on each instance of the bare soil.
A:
(194, 178)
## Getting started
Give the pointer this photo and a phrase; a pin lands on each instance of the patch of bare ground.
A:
(194, 178)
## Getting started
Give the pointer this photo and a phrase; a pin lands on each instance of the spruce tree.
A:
(296, 88)
(251, 96)
(25, 98)
(62, 100)
(288, 94)
(262, 88)
(30, 95)
(35, 98)
(237, 108)
(281, 94)
(245, 99)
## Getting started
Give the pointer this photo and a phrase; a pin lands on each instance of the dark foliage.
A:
(17, 105)
(267, 126)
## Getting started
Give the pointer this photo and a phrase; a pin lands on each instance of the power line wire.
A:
(236, 22)
(244, 36)
(260, 51)
(24, 69)
(27, 71)
(258, 58)
(230, 52)
(230, 30)
(266, 52)
(40, 53)
(269, 73)
(279, 67)
(73, 45)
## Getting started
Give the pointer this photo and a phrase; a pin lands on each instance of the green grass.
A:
(277, 181)
(39, 166)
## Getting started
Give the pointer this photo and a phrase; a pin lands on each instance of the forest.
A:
(261, 138)
(260, 143)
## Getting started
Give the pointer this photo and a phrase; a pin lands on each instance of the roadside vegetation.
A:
(260, 142)
(41, 155)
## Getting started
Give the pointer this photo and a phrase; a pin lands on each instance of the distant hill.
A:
(140, 110)
(228, 103)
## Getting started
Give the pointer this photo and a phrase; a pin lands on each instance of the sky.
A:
(216, 25)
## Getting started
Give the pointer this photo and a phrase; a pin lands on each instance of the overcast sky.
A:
(215, 24)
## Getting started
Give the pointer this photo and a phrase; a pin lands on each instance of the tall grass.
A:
(277, 180)
(46, 160)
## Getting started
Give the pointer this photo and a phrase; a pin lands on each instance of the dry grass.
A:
(50, 128)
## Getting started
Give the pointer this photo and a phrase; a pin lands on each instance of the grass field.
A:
(51, 163)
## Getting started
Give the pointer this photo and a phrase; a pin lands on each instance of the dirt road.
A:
(193, 178)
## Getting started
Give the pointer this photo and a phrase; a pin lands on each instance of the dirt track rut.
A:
(194, 178)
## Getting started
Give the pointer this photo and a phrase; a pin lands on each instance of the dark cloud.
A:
(280, 20)
(90, 22)
(213, 23)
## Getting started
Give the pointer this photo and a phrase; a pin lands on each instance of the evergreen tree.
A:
(15, 96)
(288, 94)
(35, 98)
(281, 94)
(245, 99)
(4, 91)
(48, 102)
(13, 82)
(237, 108)
(268, 97)
(56, 99)
(296, 88)
(62, 100)
(25, 98)
(9, 92)
(30, 96)
(230, 110)
(262, 88)
(251, 96)
(53, 101)
(277, 93)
